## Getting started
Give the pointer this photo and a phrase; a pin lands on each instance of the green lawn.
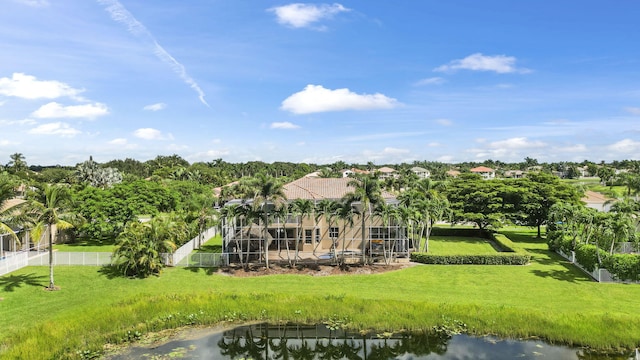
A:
(213, 245)
(548, 298)
(85, 246)
(449, 245)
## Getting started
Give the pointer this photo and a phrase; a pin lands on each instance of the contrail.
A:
(120, 14)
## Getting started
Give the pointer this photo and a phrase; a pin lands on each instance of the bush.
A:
(587, 256)
(460, 232)
(623, 266)
(497, 259)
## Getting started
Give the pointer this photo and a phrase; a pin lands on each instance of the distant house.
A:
(387, 172)
(598, 201)
(485, 172)
(453, 173)
(346, 173)
(514, 174)
(421, 172)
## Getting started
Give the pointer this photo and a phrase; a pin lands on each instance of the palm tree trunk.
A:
(266, 242)
(51, 284)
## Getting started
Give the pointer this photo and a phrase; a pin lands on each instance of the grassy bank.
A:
(548, 298)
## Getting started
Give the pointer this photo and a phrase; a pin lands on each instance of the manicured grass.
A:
(548, 298)
(449, 245)
(213, 245)
(85, 246)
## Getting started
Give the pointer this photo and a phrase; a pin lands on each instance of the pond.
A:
(303, 342)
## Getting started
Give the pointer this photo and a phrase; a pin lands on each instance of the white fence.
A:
(72, 258)
(179, 256)
(599, 275)
(12, 262)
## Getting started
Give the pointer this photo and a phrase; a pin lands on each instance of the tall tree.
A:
(17, 163)
(301, 208)
(52, 211)
(366, 193)
(268, 193)
(7, 213)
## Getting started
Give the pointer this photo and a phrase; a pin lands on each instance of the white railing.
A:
(73, 258)
(13, 262)
(599, 275)
(178, 257)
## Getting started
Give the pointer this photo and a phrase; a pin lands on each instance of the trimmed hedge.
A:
(512, 254)
(497, 259)
(625, 267)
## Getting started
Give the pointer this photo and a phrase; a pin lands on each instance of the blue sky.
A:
(357, 81)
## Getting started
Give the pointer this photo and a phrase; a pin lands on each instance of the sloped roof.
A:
(419, 169)
(322, 188)
(386, 169)
(481, 169)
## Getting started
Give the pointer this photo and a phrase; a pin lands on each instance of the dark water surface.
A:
(298, 342)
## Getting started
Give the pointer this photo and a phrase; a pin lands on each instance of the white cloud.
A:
(56, 128)
(155, 107)
(625, 146)
(300, 15)
(120, 14)
(151, 134)
(370, 137)
(445, 159)
(394, 151)
(430, 81)
(501, 64)
(33, 3)
(633, 110)
(118, 141)
(283, 125)
(17, 122)
(315, 99)
(55, 110)
(29, 87)
(8, 143)
(177, 147)
(516, 143)
(444, 122)
(434, 144)
(577, 148)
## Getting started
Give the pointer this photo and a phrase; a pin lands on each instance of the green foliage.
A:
(140, 247)
(623, 266)
(497, 259)
(587, 256)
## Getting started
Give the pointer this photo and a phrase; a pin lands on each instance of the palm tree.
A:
(52, 211)
(366, 192)
(267, 192)
(6, 213)
(301, 208)
(325, 208)
(17, 162)
(345, 212)
(140, 246)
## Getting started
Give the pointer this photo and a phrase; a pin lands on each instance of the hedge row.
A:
(512, 254)
(497, 259)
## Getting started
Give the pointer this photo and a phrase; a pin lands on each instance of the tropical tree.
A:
(366, 193)
(301, 208)
(7, 214)
(140, 247)
(17, 163)
(326, 208)
(51, 211)
(345, 212)
(268, 192)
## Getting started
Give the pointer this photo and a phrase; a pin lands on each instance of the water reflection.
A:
(297, 342)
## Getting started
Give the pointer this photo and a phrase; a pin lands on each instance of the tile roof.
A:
(481, 169)
(322, 188)
(386, 169)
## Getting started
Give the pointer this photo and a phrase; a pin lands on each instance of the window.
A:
(308, 236)
(333, 232)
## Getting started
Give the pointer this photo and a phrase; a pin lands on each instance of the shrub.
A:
(623, 266)
(587, 256)
(497, 259)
